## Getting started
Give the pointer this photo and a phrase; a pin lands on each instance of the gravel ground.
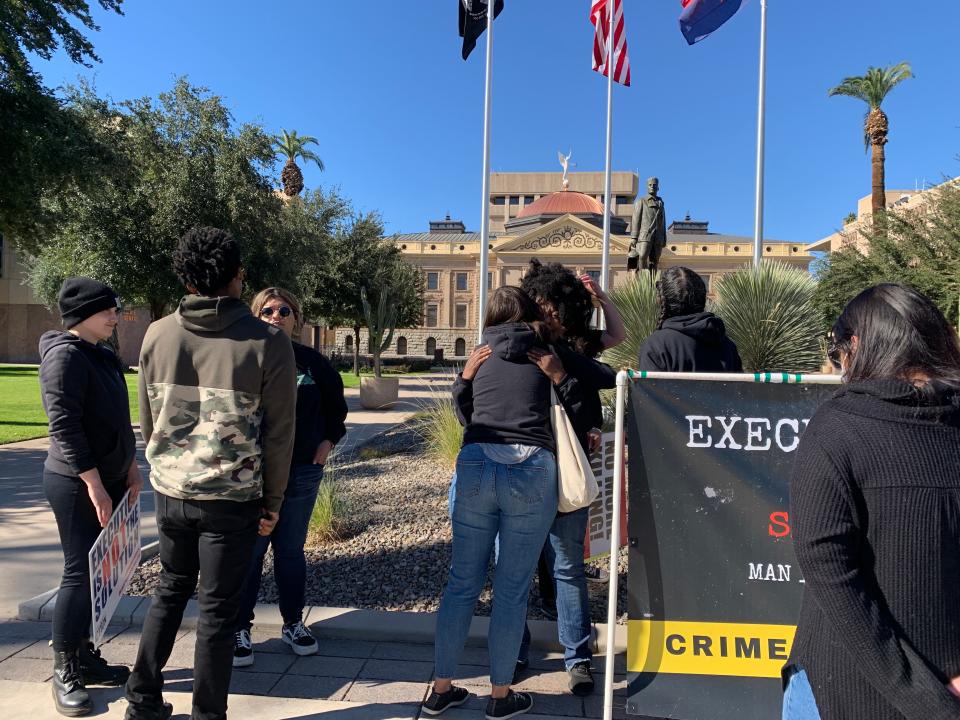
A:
(397, 550)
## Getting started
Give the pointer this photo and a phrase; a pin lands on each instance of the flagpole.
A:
(485, 204)
(607, 180)
(761, 107)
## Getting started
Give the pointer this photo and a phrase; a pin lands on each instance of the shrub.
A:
(326, 520)
(770, 315)
(437, 424)
(637, 303)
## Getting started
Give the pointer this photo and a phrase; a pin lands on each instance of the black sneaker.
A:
(438, 702)
(299, 638)
(581, 679)
(515, 703)
(242, 649)
(595, 574)
(520, 669)
(163, 711)
(96, 670)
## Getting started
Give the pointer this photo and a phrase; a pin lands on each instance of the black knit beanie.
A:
(81, 297)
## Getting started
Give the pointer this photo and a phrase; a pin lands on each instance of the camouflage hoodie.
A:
(217, 400)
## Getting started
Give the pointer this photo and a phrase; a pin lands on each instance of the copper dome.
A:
(562, 202)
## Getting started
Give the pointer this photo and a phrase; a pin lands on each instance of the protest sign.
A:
(597, 543)
(113, 558)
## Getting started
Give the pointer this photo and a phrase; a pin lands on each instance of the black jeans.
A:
(79, 528)
(213, 539)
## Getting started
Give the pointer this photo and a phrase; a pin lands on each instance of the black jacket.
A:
(875, 514)
(509, 399)
(690, 343)
(592, 376)
(85, 397)
(321, 408)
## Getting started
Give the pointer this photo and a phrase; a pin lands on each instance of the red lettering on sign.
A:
(779, 524)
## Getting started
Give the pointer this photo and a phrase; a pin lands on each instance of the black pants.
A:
(78, 526)
(213, 539)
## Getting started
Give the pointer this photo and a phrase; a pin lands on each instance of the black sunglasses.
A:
(834, 350)
(283, 311)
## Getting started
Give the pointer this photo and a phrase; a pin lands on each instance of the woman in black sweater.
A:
(90, 465)
(875, 506)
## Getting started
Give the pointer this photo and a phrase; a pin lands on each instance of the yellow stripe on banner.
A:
(708, 648)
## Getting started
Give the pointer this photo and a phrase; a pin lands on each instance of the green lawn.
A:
(352, 381)
(21, 414)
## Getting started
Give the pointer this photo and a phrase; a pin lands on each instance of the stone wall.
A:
(446, 340)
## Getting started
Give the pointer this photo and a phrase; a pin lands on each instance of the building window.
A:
(460, 315)
(432, 309)
(433, 281)
(489, 281)
(623, 199)
(348, 342)
(527, 199)
(129, 315)
(514, 199)
(497, 200)
(431, 348)
(401, 345)
(460, 347)
(595, 274)
(461, 282)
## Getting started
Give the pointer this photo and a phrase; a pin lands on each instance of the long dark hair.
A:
(557, 285)
(680, 291)
(509, 304)
(899, 333)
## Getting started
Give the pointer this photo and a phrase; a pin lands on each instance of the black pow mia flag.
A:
(473, 21)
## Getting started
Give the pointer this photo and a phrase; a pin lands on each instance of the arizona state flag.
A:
(701, 17)
(473, 21)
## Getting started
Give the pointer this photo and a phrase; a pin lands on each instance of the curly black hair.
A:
(556, 284)
(680, 291)
(207, 258)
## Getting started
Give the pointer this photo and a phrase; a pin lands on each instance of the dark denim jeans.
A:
(564, 555)
(288, 538)
(518, 502)
(213, 539)
(79, 529)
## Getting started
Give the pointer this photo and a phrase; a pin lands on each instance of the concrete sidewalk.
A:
(355, 679)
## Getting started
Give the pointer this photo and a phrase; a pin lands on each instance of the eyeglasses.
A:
(283, 311)
(834, 350)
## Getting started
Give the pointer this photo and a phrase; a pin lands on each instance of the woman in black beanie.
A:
(89, 466)
(875, 510)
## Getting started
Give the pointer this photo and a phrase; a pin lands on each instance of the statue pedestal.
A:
(379, 393)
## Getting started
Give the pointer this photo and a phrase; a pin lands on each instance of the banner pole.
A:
(623, 378)
(485, 185)
(761, 111)
(607, 179)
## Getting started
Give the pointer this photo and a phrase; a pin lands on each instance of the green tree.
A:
(44, 147)
(636, 301)
(181, 163)
(872, 88)
(920, 248)
(293, 146)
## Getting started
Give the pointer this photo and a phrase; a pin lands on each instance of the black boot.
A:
(69, 695)
(95, 669)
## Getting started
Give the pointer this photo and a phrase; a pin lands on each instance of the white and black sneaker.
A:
(595, 574)
(515, 703)
(242, 649)
(299, 638)
(438, 702)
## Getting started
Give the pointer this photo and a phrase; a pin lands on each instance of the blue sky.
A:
(399, 114)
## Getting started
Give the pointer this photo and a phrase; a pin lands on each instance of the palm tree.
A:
(636, 301)
(872, 88)
(292, 146)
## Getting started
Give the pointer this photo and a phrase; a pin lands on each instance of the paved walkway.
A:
(353, 679)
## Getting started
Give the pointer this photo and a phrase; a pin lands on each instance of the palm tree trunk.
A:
(878, 180)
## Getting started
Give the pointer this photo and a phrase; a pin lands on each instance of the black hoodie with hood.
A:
(508, 402)
(690, 343)
(85, 397)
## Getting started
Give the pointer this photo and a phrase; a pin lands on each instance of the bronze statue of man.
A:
(648, 230)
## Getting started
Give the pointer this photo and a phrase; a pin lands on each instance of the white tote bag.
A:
(576, 483)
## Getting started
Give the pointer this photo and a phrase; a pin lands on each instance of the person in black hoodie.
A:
(506, 484)
(90, 465)
(321, 411)
(875, 515)
(687, 338)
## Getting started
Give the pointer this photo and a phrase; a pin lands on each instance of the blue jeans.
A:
(564, 551)
(288, 538)
(798, 700)
(518, 502)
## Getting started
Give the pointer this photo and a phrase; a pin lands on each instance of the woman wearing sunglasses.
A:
(875, 506)
(321, 411)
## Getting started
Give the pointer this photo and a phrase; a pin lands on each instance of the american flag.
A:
(601, 55)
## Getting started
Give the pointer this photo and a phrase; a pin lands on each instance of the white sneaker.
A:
(298, 637)
(242, 649)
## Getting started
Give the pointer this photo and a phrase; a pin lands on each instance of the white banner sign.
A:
(113, 558)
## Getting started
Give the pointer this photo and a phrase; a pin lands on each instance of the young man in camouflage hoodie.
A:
(217, 399)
